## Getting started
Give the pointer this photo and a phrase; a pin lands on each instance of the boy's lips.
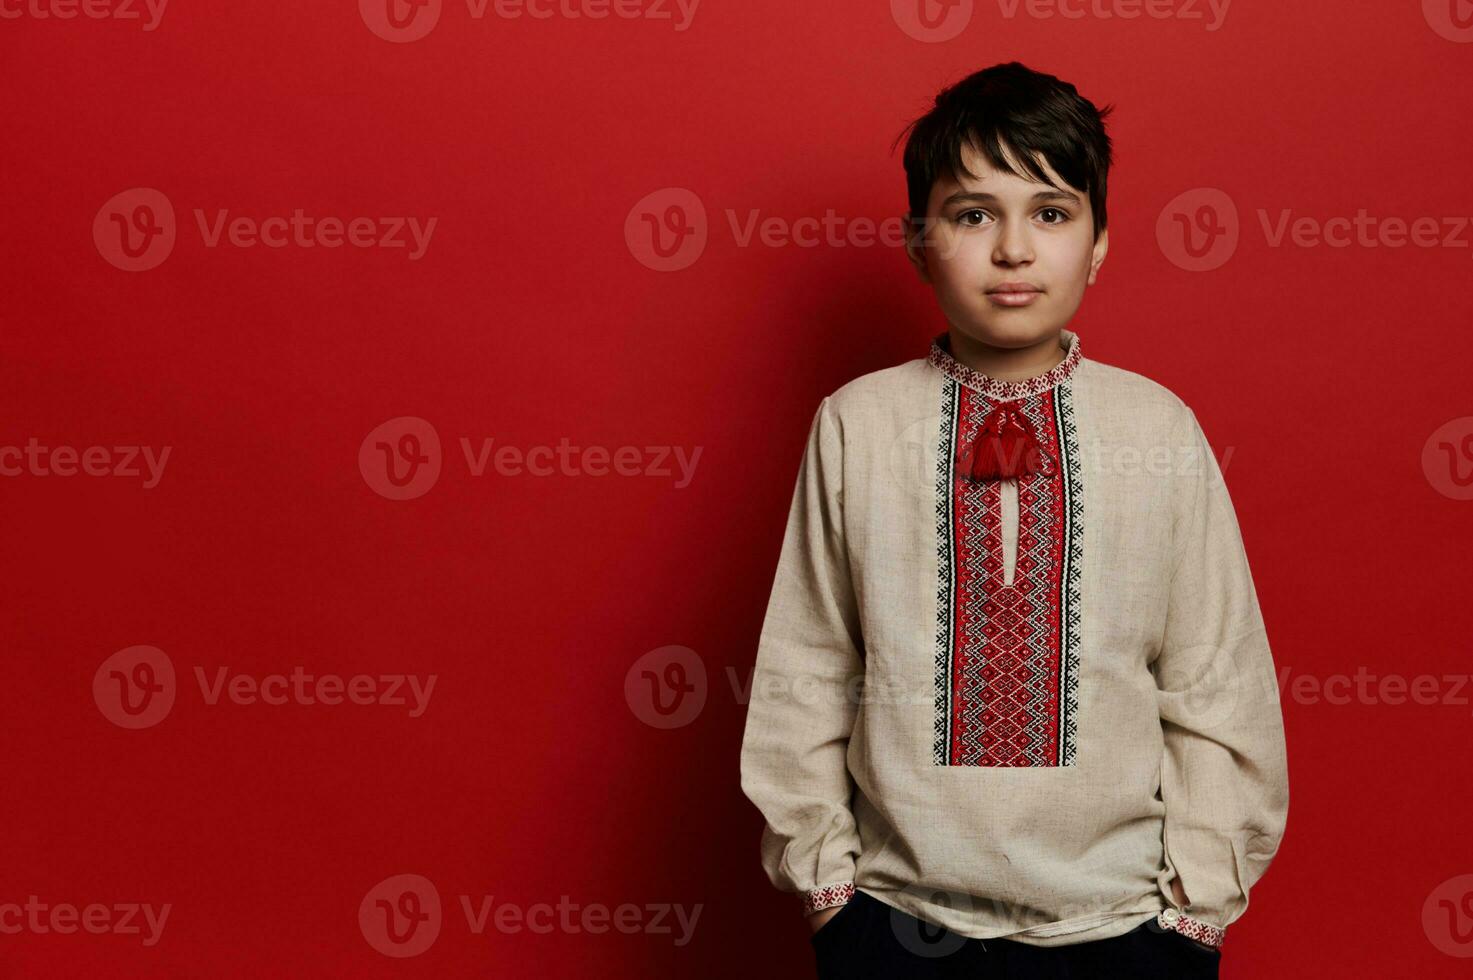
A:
(1014, 293)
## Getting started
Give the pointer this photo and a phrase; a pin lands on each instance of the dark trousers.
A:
(870, 940)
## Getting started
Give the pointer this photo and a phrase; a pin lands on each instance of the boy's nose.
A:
(1013, 246)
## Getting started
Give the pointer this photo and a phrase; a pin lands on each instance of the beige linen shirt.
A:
(1015, 707)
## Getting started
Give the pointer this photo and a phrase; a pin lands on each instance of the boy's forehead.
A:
(985, 178)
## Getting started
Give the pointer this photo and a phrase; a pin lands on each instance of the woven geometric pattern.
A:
(1007, 654)
(1202, 932)
(827, 897)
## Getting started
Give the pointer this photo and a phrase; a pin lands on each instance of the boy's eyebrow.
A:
(982, 197)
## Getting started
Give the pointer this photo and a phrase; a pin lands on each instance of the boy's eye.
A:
(975, 216)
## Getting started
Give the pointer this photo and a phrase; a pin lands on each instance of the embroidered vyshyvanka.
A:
(1015, 706)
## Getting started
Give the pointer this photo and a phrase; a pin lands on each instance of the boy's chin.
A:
(1012, 332)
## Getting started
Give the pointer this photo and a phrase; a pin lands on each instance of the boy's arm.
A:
(804, 693)
(1224, 772)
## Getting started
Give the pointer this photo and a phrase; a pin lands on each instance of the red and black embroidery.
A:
(826, 897)
(1007, 655)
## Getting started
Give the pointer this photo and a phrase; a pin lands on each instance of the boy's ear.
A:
(1102, 245)
(915, 249)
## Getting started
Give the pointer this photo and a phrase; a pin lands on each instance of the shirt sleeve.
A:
(1224, 772)
(805, 690)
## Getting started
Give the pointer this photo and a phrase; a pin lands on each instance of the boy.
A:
(1014, 710)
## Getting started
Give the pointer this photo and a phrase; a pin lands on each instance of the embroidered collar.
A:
(998, 390)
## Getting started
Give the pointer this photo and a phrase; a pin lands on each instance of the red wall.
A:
(539, 313)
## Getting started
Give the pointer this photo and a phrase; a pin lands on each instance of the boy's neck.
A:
(1007, 363)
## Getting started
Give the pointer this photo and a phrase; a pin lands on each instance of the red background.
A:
(530, 319)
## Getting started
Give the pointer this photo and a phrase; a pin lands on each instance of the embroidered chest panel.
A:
(1007, 655)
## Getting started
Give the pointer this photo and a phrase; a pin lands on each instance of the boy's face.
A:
(999, 230)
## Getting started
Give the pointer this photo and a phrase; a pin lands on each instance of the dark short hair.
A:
(1010, 105)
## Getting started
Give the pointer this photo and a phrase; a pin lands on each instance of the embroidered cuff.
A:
(1202, 932)
(827, 897)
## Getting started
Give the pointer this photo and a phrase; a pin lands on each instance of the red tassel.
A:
(1006, 446)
